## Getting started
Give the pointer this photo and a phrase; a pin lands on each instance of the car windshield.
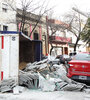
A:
(84, 56)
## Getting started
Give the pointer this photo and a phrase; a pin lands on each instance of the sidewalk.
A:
(39, 95)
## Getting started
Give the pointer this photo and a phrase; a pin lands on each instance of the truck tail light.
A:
(1, 75)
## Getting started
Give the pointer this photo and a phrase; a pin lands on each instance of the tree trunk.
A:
(78, 38)
(76, 44)
(51, 49)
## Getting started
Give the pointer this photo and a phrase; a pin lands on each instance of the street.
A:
(39, 95)
(44, 50)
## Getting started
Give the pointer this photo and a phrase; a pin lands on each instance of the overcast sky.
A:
(63, 6)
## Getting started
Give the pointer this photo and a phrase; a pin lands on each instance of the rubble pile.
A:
(48, 77)
(29, 76)
(36, 66)
(45, 75)
(28, 79)
(57, 80)
(7, 85)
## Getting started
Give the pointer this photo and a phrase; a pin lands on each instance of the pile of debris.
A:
(36, 66)
(7, 85)
(44, 75)
(48, 76)
(30, 80)
(29, 76)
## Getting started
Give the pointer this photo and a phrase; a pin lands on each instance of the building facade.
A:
(7, 17)
(35, 28)
(63, 41)
(59, 40)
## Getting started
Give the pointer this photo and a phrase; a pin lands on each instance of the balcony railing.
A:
(60, 39)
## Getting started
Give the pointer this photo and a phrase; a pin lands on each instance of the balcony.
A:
(60, 39)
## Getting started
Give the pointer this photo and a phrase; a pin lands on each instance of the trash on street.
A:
(45, 76)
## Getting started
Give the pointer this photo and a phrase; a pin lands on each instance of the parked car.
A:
(63, 58)
(79, 67)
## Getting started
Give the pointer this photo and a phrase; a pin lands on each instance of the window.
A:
(4, 7)
(36, 37)
(5, 28)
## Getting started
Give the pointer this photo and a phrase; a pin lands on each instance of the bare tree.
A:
(75, 21)
(53, 28)
(26, 11)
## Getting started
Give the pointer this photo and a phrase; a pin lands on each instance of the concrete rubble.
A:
(28, 79)
(7, 85)
(48, 77)
(45, 76)
(36, 66)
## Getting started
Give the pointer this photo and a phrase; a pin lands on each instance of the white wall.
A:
(8, 18)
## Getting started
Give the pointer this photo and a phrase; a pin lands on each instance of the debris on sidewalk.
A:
(73, 87)
(7, 85)
(18, 89)
(48, 77)
(46, 84)
(43, 75)
(36, 66)
(28, 79)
